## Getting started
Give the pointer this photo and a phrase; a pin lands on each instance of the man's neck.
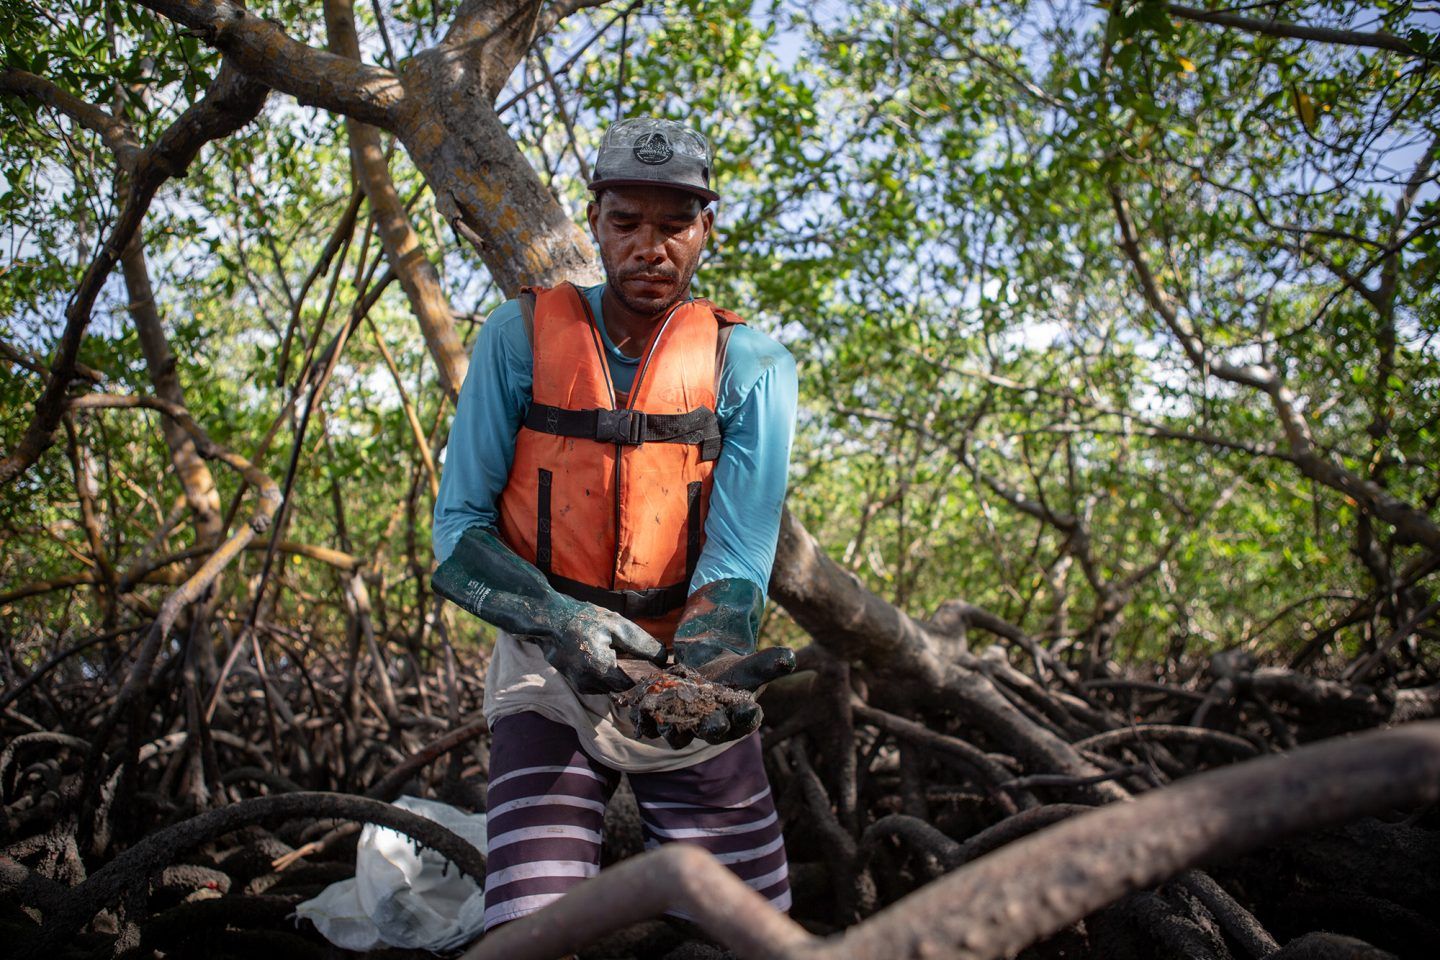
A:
(629, 331)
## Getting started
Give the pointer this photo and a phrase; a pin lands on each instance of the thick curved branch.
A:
(1037, 886)
(1028, 889)
(116, 134)
(676, 877)
(852, 622)
(1014, 827)
(265, 52)
(142, 861)
(1145, 733)
(1378, 40)
(1233, 918)
(848, 620)
(49, 739)
(491, 36)
(940, 853)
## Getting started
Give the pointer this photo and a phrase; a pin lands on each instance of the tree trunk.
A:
(484, 186)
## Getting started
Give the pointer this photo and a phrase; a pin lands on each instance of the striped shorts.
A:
(546, 810)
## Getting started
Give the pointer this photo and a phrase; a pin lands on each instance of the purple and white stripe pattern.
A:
(546, 811)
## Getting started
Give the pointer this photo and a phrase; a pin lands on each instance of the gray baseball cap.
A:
(649, 151)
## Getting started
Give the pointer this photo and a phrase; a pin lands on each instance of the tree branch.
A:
(559, 10)
(116, 134)
(489, 21)
(1407, 519)
(1028, 889)
(678, 876)
(488, 38)
(1254, 375)
(1037, 886)
(851, 622)
(265, 52)
(403, 250)
(231, 102)
(34, 364)
(209, 449)
(1277, 28)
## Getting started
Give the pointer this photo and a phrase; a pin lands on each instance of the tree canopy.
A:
(1120, 410)
(1114, 321)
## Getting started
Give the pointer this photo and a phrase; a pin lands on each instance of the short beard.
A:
(682, 290)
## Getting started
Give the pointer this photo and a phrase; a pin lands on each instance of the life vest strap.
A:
(632, 427)
(544, 549)
(631, 604)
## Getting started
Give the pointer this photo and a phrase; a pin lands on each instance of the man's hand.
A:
(716, 639)
(585, 646)
(580, 640)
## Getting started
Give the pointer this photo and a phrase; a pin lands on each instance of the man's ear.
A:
(592, 215)
(708, 216)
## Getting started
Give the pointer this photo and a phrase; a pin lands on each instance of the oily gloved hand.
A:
(716, 639)
(578, 639)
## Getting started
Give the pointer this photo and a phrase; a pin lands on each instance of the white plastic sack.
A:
(401, 898)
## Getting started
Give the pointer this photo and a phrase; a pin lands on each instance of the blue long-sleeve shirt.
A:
(756, 404)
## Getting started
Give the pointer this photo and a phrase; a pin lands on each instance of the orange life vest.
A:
(608, 492)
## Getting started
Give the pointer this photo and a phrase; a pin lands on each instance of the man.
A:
(611, 498)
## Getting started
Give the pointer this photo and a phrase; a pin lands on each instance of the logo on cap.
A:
(653, 148)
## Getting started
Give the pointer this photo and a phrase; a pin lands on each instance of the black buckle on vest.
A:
(636, 604)
(620, 426)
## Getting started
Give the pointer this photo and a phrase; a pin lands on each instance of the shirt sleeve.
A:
(493, 402)
(757, 402)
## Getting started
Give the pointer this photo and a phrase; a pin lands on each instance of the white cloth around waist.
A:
(520, 679)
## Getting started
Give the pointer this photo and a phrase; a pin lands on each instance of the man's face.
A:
(650, 240)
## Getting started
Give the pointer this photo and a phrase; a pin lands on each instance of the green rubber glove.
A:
(578, 639)
(716, 638)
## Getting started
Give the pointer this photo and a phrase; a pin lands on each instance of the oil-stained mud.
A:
(680, 698)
